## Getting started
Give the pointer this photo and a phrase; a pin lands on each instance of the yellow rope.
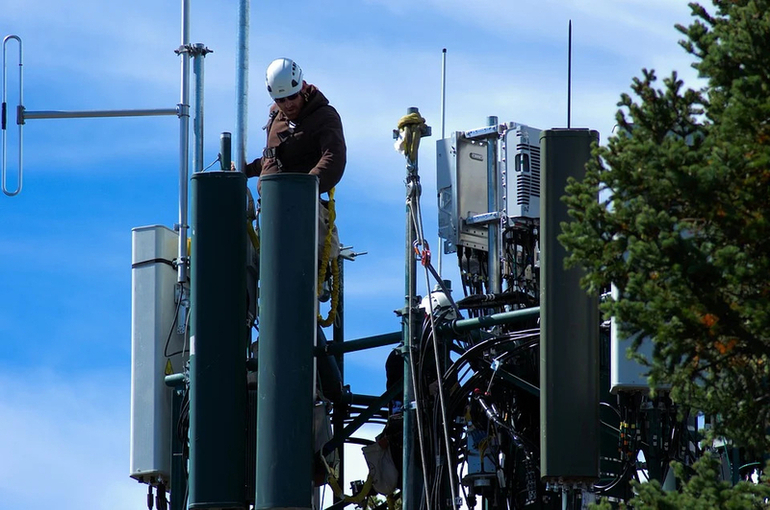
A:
(327, 247)
(411, 124)
(252, 235)
(325, 256)
(335, 485)
(335, 296)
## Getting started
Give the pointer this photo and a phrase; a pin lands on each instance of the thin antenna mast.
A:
(569, 76)
(443, 92)
(443, 127)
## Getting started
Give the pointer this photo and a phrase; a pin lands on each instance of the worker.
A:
(304, 135)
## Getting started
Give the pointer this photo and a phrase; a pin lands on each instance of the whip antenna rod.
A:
(569, 76)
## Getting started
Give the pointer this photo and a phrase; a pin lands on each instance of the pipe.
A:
(569, 77)
(411, 472)
(374, 407)
(440, 244)
(175, 380)
(199, 53)
(443, 92)
(337, 347)
(410, 483)
(242, 85)
(458, 326)
(494, 285)
(85, 114)
(287, 336)
(184, 144)
(338, 340)
(225, 151)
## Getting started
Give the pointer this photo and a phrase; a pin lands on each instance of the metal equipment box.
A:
(461, 180)
(521, 155)
(156, 349)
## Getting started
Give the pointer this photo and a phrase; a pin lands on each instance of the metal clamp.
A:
(483, 218)
(485, 132)
(193, 49)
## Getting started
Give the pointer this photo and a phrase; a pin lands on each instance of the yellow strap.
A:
(325, 256)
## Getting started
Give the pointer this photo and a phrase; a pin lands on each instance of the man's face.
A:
(290, 106)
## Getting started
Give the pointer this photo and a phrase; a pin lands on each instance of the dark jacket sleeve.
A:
(331, 141)
(254, 169)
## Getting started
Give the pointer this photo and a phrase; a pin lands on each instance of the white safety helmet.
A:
(283, 78)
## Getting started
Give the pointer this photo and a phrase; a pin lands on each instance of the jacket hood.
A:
(314, 99)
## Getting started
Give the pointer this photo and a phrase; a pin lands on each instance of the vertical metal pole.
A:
(184, 143)
(218, 340)
(199, 53)
(242, 85)
(443, 126)
(494, 285)
(443, 92)
(287, 318)
(338, 330)
(411, 471)
(569, 77)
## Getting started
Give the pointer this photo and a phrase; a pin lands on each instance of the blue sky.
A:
(65, 241)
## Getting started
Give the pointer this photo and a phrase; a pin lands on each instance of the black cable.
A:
(150, 499)
(443, 286)
(171, 330)
(183, 427)
(521, 440)
(160, 498)
(611, 407)
(481, 346)
(494, 417)
(219, 158)
(616, 481)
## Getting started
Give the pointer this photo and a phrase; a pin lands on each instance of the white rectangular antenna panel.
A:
(628, 374)
(522, 163)
(154, 336)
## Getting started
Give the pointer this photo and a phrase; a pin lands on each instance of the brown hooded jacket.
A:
(314, 143)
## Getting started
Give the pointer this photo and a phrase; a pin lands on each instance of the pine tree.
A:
(700, 490)
(675, 212)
